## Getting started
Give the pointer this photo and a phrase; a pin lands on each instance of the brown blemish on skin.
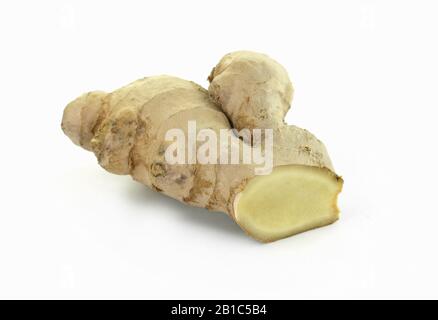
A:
(158, 169)
(263, 114)
(156, 188)
(199, 187)
(161, 150)
(211, 76)
(305, 149)
(181, 179)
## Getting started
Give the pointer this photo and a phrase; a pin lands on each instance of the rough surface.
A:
(253, 90)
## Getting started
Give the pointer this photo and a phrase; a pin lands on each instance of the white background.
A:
(366, 78)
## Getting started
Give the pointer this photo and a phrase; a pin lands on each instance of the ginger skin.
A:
(125, 129)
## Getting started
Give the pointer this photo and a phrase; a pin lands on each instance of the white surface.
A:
(365, 77)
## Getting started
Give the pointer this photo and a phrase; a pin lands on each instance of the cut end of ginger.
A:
(291, 200)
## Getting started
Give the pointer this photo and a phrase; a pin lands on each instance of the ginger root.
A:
(126, 130)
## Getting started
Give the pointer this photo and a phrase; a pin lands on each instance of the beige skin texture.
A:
(126, 131)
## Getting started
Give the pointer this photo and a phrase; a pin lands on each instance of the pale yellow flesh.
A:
(290, 200)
